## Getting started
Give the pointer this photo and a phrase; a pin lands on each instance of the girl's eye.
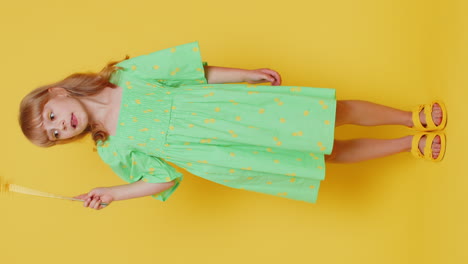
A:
(51, 116)
(56, 134)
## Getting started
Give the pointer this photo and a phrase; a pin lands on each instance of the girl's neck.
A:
(103, 108)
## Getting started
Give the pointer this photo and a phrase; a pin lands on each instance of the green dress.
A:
(267, 139)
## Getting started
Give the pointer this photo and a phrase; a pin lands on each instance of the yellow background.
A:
(395, 209)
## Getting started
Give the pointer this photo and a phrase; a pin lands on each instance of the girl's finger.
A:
(268, 78)
(277, 82)
(81, 196)
(272, 80)
(268, 73)
(87, 201)
(275, 75)
(97, 204)
(278, 78)
(92, 204)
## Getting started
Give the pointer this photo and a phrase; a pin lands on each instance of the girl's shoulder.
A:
(171, 66)
(113, 152)
(109, 148)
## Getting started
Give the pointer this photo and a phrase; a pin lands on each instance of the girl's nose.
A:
(63, 125)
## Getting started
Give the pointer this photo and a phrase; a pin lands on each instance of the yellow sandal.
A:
(428, 148)
(428, 112)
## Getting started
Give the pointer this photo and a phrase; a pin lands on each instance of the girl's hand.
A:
(263, 75)
(96, 196)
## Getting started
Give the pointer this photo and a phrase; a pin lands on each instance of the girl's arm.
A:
(232, 75)
(138, 189)
(95, 197)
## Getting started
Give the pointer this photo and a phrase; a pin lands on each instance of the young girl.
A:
(169, 105)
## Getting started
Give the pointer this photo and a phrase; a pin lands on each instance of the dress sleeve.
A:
(173, 66)
(134, 166)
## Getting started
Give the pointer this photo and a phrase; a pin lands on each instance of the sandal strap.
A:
(415, 116)
(443, 146)
(415, 145)
(428, 148)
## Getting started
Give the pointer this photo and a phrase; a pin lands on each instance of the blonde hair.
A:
(78, 85)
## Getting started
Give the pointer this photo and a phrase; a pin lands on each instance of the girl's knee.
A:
(342, 112)
(341, 105)
(332, 156)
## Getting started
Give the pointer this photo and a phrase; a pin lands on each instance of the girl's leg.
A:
(356, 150)
(366, 113)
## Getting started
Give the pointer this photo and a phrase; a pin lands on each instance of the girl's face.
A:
(64, 117)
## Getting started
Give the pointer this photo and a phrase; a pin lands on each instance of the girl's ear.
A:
(58, 91)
